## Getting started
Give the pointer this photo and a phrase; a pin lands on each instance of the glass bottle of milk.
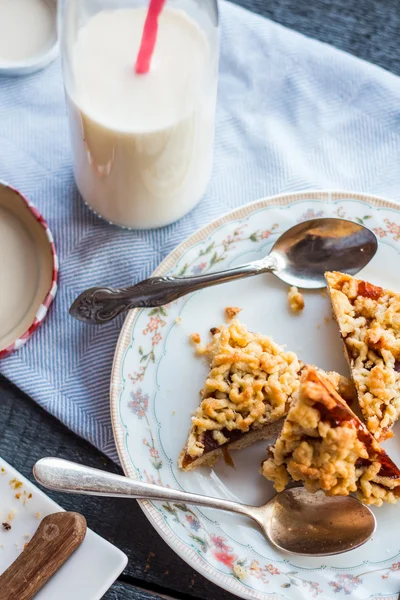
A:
(142, 143)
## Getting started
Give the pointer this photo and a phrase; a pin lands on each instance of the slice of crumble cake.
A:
(369, 322)
(246, 395)
(325, 445)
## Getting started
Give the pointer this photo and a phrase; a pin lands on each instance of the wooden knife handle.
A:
(56, 538)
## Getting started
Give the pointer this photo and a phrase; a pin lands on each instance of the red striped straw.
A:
(149, 37)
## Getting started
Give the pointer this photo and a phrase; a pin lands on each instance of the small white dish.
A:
(86, 575)
(39, 54)
(28, 269)
(155, 388)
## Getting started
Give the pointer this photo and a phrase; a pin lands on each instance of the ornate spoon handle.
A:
(99, 305)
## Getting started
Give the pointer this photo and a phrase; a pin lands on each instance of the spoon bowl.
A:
(308, 250)
(294, 521)
(315, 524)
(300, 257)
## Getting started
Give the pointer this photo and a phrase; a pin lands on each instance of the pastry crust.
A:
(325, 445)
(268, 433)
(369, 322)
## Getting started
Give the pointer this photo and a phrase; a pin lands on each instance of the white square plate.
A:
(86, 575)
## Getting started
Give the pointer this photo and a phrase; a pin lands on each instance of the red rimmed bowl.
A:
(28, 269)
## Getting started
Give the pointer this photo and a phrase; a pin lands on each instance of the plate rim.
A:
(193, 559)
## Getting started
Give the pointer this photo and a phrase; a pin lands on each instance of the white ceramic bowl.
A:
(40, 60)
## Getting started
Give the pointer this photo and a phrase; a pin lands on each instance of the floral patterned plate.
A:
(155, 387)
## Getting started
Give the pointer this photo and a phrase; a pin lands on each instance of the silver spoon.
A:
(294, 520)
(299, 257)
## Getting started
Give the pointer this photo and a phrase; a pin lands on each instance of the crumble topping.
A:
(296, 300)
(214, 330)
(249, 384)
(325, 445)
(369, 321)
(248, 389)
(231, 312)
(344, 387)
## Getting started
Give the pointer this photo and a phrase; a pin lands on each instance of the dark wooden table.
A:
(369, 29)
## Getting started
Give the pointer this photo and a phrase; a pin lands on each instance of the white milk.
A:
(26, 29)
(142, 144)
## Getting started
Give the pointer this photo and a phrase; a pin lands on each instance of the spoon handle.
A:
(98, 305)
(65, 476)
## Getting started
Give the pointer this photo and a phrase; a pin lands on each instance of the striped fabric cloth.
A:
(293, 114)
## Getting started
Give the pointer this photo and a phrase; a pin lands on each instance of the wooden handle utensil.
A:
(56, 538)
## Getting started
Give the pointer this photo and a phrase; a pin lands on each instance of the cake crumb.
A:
(37, 515)
(327, 320)
(178, 320)
(231, 312)
(15, 483)
(6, 526)
(11, 515)
(3, 471)
(214, 330)
(296, 300)
(195, 337)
